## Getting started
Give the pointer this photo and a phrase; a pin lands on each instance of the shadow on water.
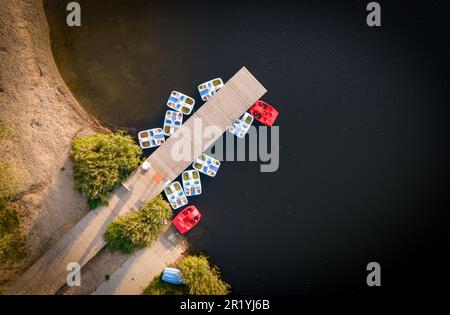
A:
(354, 130)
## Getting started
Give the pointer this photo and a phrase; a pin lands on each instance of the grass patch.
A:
(6, 131)
(199, 276)
(12, 243)
(101, 163)
(160, 287)
(9, 218)
(139, 228)
(8, 181)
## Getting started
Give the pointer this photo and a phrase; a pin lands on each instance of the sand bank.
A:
(45, 118)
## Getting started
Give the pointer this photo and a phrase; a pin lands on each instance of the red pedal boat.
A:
(264, 113)
(187, 219)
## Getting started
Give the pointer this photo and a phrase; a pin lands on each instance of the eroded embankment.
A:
(42, 118)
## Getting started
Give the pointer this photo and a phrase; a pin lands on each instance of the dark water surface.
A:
(363, 124)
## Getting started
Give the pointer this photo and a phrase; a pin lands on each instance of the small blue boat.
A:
(172, 275)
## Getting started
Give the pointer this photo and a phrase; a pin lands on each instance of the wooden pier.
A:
(84, 241)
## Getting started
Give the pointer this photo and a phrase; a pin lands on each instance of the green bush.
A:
(12, 248)
(101, 163)
(9, 218)
(138, 229)
(8, 181)
(201, 278)
(160, 287)
(6, 131)
(12, 244)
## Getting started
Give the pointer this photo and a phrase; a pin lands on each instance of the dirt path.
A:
(36, 104)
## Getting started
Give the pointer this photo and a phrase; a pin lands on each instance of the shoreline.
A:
(72, 101)
(46, 198)
(45, 117)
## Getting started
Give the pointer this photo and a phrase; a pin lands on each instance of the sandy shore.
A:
(37, 105)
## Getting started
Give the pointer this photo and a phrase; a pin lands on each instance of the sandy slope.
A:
(35, 101)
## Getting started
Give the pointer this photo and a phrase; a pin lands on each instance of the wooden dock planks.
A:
(142, 266)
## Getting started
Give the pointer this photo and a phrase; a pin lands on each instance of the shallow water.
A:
(355, 123)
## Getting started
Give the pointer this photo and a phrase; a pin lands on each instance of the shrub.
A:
(12, 244)
(8, 181)
(9, 218)
(160, 287)
(6, 131)
(12, 247)
(201, 278)
(101, 163)
(138, 229)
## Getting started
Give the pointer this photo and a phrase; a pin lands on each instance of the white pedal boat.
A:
(206, 165)
(191, 183)
(241, 126)
(172, 121)
(175, 195)
(151, 138)
(181, 102)
(210, 88)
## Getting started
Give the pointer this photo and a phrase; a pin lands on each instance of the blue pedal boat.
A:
(206, 165)
(175, 194)
(241, 126)
(181, 102)
(210, 88)
(172, 121)
(151, 138)
(191, 183)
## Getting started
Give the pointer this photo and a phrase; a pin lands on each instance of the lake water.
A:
(358, 108)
